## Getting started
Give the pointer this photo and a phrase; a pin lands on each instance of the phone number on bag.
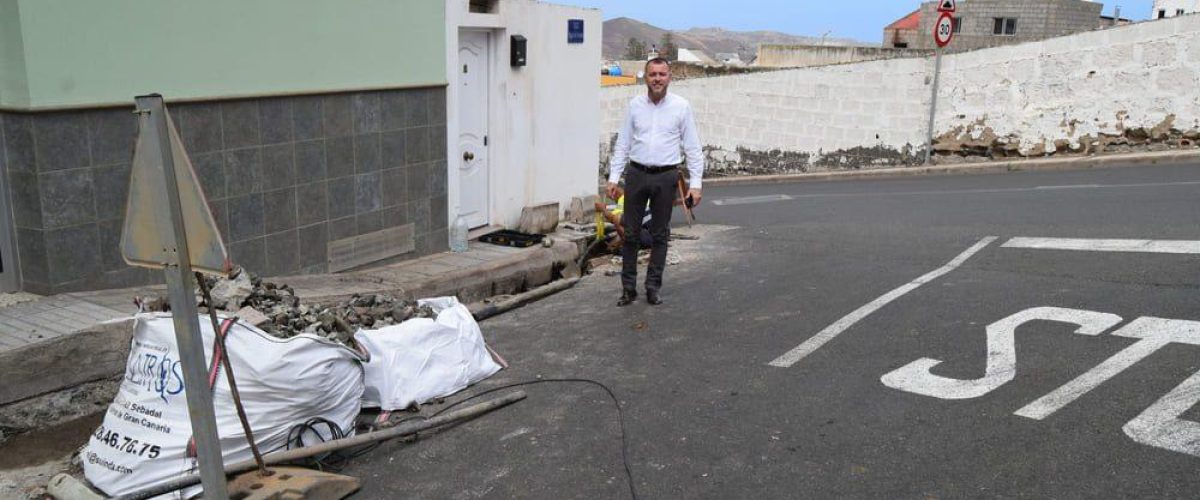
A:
(126, 444)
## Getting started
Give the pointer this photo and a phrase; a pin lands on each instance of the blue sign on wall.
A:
(575, 31)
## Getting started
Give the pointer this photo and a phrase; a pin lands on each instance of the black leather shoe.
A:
(627, 297)
(652, 298)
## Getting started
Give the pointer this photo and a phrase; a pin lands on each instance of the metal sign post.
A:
(943, 32)
(157, 145)
(937, 71)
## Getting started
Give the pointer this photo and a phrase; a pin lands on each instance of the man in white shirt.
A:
(658, 131)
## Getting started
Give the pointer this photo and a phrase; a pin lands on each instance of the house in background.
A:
(309, 123)
(989, 23)
(1171, 8)
(902, 34)
(730, 59)
(695, 56)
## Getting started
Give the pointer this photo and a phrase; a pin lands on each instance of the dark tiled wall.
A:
(284, 176)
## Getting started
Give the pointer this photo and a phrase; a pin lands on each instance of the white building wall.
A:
(1171, 8)
(1037, 93)
(543, 117)
(686, 55)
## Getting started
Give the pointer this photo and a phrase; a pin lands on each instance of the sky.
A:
(862, 20)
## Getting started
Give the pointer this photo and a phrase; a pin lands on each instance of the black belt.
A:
(652, 170)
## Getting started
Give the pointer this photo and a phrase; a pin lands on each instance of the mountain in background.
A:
(617, 33)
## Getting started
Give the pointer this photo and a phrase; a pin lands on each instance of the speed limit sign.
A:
(943, 31)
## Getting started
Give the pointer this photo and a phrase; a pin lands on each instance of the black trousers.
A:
(659, 190)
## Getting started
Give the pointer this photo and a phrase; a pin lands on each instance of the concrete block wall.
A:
(1068, 88)
(852, 115)
(284, 177)
(862, 114)
(803, 56)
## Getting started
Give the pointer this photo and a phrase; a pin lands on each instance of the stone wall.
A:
(802, 56)
(1083, 92)
(845, 116)
(284, 177)
(1107, 90)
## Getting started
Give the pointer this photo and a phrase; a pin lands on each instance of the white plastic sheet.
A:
(143, 440)
(422, 359)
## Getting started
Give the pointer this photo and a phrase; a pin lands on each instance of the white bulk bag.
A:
(143, 440)
(422, 359)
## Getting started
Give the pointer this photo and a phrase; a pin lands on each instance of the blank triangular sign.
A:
(947, 6)
(148, 237)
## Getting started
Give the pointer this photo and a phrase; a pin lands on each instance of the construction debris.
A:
(276, 310)
(673, 258)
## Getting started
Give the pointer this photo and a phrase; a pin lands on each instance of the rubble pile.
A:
(278, 311)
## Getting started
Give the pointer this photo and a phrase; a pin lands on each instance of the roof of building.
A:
(910, 22)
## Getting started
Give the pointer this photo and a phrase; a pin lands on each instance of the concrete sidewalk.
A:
(63, 341)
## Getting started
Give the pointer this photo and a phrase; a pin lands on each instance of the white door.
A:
(472, 154)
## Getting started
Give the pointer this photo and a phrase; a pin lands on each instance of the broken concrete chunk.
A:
(252, 316)
(231, 293)
(539, 219)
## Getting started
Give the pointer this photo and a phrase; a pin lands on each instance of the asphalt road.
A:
(707, 414)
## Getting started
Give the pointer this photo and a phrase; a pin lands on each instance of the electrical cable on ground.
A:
(613, 396)
(336, 461)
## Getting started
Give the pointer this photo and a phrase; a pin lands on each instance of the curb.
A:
(993, 167)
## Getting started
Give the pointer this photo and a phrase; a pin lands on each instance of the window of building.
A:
(1179, 12)
(482, 6)
(1004, 26)
(1162, 13)
(957, 22)
(900, 45)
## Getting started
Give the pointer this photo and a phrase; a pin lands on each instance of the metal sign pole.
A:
(180, 286)
(937, 73)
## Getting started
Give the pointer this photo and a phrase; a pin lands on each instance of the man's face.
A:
(658, 77)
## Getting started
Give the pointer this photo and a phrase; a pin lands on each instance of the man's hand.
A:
(694, 195)
(613, 191)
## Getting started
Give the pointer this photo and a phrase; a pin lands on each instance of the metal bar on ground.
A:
(521, 299)
(403, 429)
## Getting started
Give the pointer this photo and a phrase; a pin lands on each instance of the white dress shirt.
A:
(658, 135)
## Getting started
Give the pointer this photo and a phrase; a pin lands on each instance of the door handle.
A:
(468, 156)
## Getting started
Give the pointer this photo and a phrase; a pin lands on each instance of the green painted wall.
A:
(89, 52)
(13, 87)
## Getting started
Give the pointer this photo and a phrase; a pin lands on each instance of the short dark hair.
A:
(657, 60)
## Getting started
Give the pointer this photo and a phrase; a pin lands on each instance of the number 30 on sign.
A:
(943, 31)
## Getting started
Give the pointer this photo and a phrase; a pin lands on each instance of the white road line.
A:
(1162, 424)
(1075, 186)
(830, 332)
(1106, 245)
(747, 200)
(1152, 334)
(917, 377)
